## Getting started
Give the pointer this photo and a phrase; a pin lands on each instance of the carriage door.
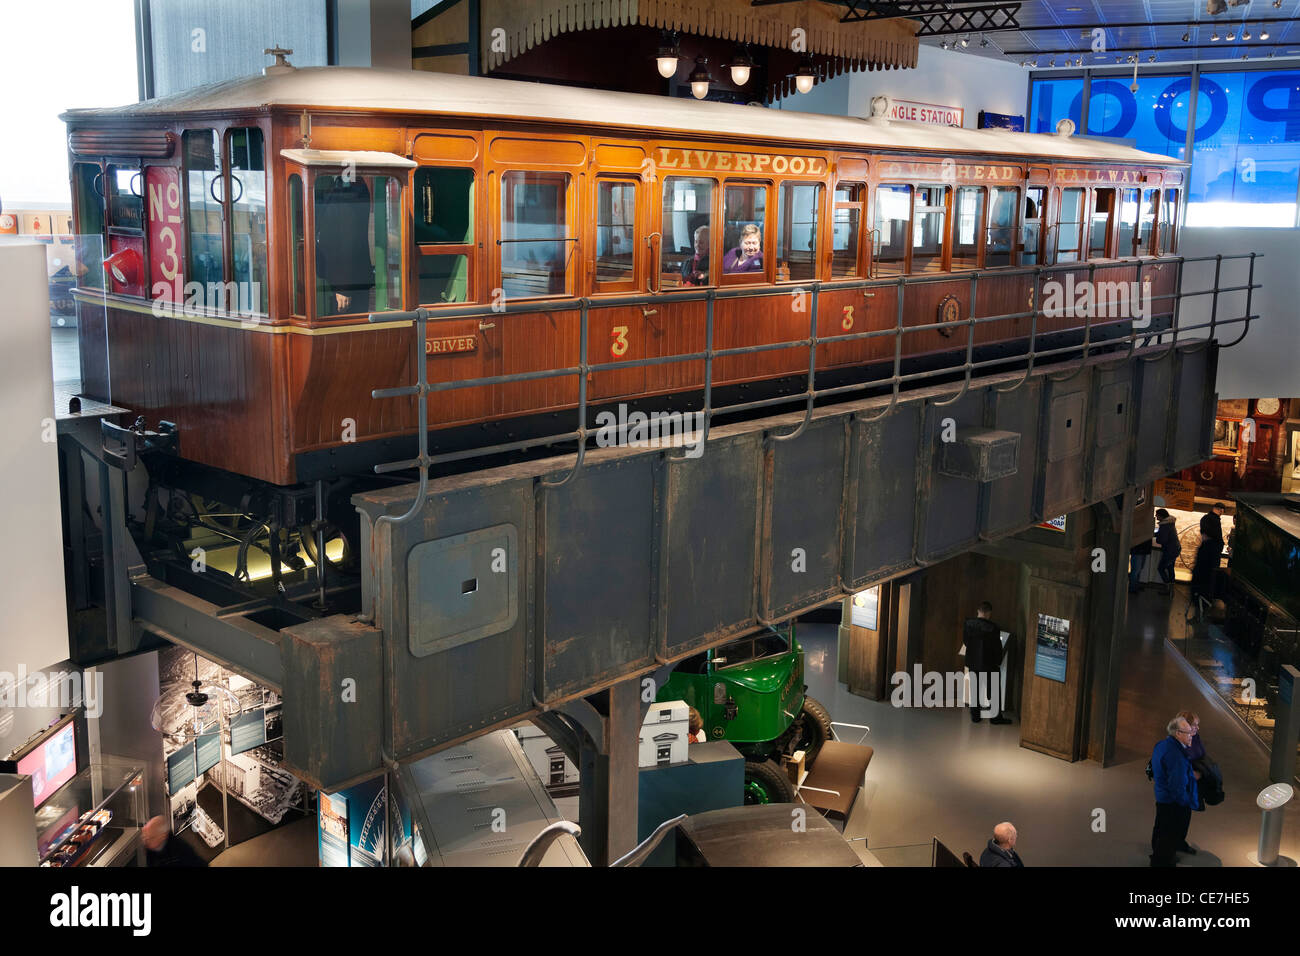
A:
(623, 333)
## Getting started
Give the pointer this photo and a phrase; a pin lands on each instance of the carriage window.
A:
(444, 205)
(893, 212)
(125, 197)
(248, 217)
(615, 231)
(928, 228)
(88, 179)
(796, 237)
(687, 227)
(1128, 220)
(358, 244)
(1146, 221)
(1002, 226)
(1169, 224)
(203, 205)
(444, 226)
(849, 198)
(1031, 233)
(297, 242)
(1071, 222)
(744, 216)
(1103, 211)
(969, 223)
(534, 221)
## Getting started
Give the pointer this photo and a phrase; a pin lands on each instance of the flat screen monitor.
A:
(207, 749)
(180, 768)
(52, 762)
(248, 730)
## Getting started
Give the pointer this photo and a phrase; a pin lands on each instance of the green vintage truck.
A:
(750, 693)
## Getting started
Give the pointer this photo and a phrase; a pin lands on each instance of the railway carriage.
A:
(251, 228)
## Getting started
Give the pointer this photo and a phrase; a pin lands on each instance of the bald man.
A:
(163, 848)
(1001, 850)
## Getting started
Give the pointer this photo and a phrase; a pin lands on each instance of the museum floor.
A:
(935, 774)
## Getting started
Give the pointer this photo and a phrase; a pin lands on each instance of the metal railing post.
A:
(584, 308)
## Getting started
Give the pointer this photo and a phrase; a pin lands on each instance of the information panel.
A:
(247, 730)
(1053, 647)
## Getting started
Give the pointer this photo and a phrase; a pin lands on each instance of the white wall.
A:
(941, 76)
(35, 632)
(1267, 362)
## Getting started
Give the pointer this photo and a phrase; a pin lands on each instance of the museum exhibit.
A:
(424, 450)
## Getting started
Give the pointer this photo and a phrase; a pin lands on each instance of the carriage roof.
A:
(417, 91)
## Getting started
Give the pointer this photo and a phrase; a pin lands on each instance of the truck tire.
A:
(816, 729)
(765, 782)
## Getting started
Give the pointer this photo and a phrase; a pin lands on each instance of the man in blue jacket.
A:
(1176, 795)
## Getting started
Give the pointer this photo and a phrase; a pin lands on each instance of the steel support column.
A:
(608, 775)
(1109, 614)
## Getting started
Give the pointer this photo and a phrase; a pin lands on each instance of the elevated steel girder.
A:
(645, 558)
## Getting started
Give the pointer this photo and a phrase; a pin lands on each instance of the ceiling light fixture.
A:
(1214, 37)
(965, 42)
(1187, 36)
(666, 56)
(806, 75)
(700, 78)
(984, 41)
(741, 64)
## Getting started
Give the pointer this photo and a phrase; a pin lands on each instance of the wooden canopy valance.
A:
(526, 24)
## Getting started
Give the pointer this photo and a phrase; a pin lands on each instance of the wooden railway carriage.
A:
(251, 225)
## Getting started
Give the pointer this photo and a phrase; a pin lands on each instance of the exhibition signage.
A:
(333, 824)
(1015, 124)
(1176, 493)
(927, 113)
(1054, 524)
(1053, 647)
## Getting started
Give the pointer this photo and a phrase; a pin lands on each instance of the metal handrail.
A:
(810, 394)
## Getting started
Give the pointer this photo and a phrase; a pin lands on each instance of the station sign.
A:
(930, 114)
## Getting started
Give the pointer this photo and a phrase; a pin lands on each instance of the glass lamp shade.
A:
(740, 75)
(184, 713)
(667, 66)
(700, 79)
(803, 82)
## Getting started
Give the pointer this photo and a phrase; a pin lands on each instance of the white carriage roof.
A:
(419, 91)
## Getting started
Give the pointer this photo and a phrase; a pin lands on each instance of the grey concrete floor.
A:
(936, 774)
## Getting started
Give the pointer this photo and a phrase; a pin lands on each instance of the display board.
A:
(1053, 647)
(51, 763)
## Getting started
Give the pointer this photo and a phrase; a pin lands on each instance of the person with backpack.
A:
(1176, 793)
(1209, 778)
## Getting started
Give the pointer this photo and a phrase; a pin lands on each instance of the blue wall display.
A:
(332, 829)
(180, 768)
(1001, 121)
(1246, 131)
(207, 749)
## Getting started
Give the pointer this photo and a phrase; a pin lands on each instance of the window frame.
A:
(405, 218)
(1040, 248)
(469, 250)
(570, 241)
(637, 281)
(1017, 211)
(1112, 222)
(765, 277)
(715, 237)
(228, 212)
(945, 243)
(862, 261)
(906, 264)
(981, 227)
(820, 187)
(1079, 248)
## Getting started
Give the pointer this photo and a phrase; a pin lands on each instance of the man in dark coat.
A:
(1001, 850)
(1205, 572)
(1176, 793)
(1170, 548)
(164, 848)
(984, 658)
(343, 260)
(1212, 523)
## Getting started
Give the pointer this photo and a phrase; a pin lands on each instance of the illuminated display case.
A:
(95, 818)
